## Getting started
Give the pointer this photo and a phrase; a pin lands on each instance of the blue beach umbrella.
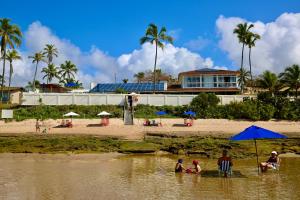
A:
(256, 133)
(191, 113)
(160, 113)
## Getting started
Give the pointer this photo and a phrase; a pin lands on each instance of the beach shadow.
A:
(215, 174)
(179, 125)
(94, 125)
(60, 126)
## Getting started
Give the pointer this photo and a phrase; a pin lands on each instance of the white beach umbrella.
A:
(70, 114)
(103, 113)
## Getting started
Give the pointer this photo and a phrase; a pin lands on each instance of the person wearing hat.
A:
(271, 163)
(179, 166)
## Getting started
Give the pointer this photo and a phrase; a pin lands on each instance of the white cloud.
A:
(96, 65)
(279, 45)
(197, 44)
(172, 59)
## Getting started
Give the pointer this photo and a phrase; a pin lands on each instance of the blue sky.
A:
(115, 26)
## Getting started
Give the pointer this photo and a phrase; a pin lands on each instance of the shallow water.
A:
(115, 176)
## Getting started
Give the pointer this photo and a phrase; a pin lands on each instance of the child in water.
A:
(179, 167)
(197, 167)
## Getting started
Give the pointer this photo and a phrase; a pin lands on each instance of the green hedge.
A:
(265, 107)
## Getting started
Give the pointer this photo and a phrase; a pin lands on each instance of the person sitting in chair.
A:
(271, 163)
(225, 163)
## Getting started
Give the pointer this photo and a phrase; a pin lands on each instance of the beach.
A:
(221, 128)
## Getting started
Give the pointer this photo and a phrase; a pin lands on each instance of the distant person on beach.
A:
(37, 126)
(271, 163)
(197, 167)
(225, 163)
(179, 166)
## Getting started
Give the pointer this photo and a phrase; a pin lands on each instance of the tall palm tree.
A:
(251, 39)
(67, 70)
(139, 76)
(11, 56)
(10, 35)
(156, 37)
(36, 58)
(243, 78)
(50, 51)
(268, 80)
(291, 77)
(51, 71)
(242, 30)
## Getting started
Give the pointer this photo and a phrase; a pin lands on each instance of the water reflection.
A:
(114, 176)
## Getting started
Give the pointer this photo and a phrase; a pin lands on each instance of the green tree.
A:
(268, 80)
(36, 58)
(251, 39)
(242, 30)
(243, 78)
(11, 56)
(291, 78)
(50, 72)
(68, 70)
(157, 38)
(50, 51)
(125, 80)
(30, 85)
(139, 76)
(10, 35)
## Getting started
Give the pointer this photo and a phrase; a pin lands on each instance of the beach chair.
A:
(225, 168)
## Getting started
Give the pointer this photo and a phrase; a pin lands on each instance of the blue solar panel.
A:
(129, 87)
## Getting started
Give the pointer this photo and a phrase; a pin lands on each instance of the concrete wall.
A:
(115, 99)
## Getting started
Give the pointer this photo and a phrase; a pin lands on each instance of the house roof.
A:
(209, 71)
(12, 88)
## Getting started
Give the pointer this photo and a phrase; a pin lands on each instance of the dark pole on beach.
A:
(256, 156)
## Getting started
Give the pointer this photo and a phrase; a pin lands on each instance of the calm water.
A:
(113, 176)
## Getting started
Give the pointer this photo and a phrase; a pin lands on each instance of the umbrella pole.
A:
(256, 156)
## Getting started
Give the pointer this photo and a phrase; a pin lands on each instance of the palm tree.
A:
(250, 41)
(1, 78)
(156, 37)
(50, 51)
(36, 58)
(50, 72)
(139, 76)
(291, 77)
(30, 85)
(268, 80)
(10, 35)
(243, 78)
(67, 70)
(242, 30)
(125, 80)
(11, 56)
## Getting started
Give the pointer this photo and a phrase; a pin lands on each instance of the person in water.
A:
(197, 167)
(179, 166)
(225, 166)
(271, 163)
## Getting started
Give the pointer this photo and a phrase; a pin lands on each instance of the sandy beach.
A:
(116, 128)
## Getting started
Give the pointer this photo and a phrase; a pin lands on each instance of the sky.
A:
(102, 37)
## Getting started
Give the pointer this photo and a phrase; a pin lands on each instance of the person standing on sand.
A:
(37, 126)
(179, 167)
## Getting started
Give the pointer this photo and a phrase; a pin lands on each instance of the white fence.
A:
(115, 99)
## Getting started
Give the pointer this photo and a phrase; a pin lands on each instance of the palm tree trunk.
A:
(250, 64)
(34, 77)
(3, 72)
(154, 71)
(10, 73)
(242, 60)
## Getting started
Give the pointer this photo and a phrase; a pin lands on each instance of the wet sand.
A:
(116, 128)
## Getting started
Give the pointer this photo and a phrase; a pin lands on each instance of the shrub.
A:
(202, 102)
